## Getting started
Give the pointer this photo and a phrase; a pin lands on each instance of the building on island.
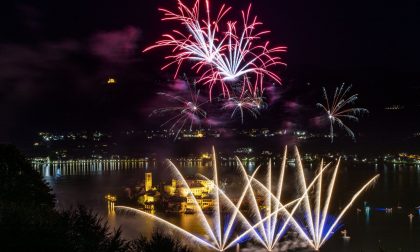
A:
(150, 195)
(178, 196)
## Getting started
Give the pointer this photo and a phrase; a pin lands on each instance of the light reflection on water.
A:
(87, 184)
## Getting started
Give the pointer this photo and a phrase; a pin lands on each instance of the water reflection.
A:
(96, 167)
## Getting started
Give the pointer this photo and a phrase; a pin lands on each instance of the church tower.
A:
(148, 182)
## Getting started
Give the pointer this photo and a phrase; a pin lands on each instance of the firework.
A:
(186, 112)
(244, 103)
(320, 225)
(274, 220)
(220, 56)
(267, 220)
(339, 108)
(217, 237)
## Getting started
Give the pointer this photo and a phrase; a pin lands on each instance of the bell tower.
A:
(148, 181)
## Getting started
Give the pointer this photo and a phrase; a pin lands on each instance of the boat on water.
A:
(345, 236)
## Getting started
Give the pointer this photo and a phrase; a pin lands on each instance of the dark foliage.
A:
(86, 231)
(20, 184)
(29, 222)
(158, 242)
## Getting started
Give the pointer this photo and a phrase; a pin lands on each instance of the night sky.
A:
(56, 56)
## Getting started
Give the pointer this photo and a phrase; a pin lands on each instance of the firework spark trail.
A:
(186, 111)
(259, 223)
(317, 223)
(244, 103)
(266, 221)
(200, 44)
(217, 236)
(238, 205)
(203, 218)
(318, 203)
(217, 215)
(328, 200)
(338, 109)
(269, 230)
(182, 231)
(237, 212)
(243, 57)
(255, 207)
(328, 233)
(220, 56)
(265, 228)
(302, 181)
(268, 202)
(289, 214)
(318, 237)
(279, 193)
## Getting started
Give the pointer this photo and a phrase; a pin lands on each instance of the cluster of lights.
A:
(395, 107)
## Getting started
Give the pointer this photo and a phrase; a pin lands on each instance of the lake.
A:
(398, 187)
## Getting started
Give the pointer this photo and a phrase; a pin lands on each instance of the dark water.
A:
(397, 186)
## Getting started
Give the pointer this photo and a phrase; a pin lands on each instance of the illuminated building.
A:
(149, 200)
(171, 189)
(206, 156)
(151, 195)
(194, 134)
(111, 81)
(148, 181)
(204, 202)
(200, 188)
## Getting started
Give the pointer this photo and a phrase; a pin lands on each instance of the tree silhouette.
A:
(29, 222)
(158, 242)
